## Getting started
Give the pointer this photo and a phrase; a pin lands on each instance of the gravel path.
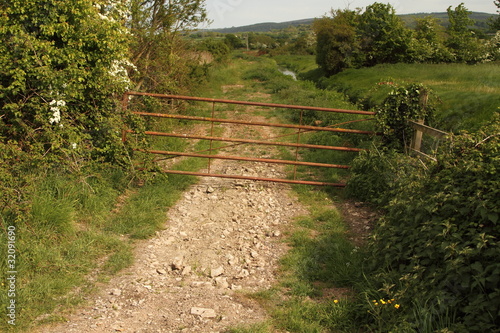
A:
(222, 240)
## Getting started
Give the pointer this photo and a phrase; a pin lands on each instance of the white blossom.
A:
(118, 70)
(56, 116)
(56, 110)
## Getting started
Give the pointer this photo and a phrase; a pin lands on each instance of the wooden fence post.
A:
(417, 137)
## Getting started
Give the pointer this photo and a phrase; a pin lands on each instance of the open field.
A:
(467, 95)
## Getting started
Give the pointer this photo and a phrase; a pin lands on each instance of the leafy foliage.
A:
(427, 44)
(495, 24)
(436, 248)
(377, 35)
(383, 35)
(337, 47)
(461, 41)
(164, 61)
(403, 103)
(62, 63)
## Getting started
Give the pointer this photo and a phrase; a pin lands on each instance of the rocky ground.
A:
(222, 240)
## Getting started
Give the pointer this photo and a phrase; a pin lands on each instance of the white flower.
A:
(56, 116)
(73, 145)
(118, 70)
(56, 111)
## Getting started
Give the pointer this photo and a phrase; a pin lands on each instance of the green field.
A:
(466, 95)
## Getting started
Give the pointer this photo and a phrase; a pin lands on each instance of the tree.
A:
(461, 40)
(337, 46)
(62, 63)
(233, 42)
(157, 49)
(428, 42)
(384, 38)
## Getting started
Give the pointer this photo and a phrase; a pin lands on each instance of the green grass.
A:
(75, 230)
(468, 94)
(315, 291)
(297, 64)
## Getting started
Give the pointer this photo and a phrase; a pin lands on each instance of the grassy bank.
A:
(468, 94)
(80, 230)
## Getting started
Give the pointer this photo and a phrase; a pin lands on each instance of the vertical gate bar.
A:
(297, 148)
(211, 134)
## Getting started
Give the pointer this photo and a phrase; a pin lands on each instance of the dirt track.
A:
(221, 240)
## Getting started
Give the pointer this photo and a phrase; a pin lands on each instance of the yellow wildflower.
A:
(396, 306)
(336, 301)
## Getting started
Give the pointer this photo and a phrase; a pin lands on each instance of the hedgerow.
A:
(436, 248)
(62, 65)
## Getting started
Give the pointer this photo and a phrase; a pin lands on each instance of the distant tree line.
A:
(377, 35)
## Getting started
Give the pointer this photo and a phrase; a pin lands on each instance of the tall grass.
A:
(59, 242)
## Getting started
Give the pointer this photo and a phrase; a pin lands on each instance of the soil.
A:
(221, 241)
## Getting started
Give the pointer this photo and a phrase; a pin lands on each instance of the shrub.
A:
(61, 63)
(438, 244)
(404, 103)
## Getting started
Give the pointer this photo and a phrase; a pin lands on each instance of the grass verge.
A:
(316, 290)
(79, 230)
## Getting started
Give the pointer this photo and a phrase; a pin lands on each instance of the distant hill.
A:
(264, 27)
(481, 19)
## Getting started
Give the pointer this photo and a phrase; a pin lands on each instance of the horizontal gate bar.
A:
(275, 180)
(228, 101)
(285, 144)
(247, 159)
(227, 121)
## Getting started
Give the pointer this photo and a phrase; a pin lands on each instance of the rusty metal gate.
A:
(300, 129)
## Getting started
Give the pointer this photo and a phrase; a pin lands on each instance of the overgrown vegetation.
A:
(440, 229)
(72, 199)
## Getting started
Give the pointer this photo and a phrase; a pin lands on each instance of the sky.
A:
(229, 13)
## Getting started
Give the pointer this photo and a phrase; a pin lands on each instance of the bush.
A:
(61, 63)
(404, 103)
(436, 250)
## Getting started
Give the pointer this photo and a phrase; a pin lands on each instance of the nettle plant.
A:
(437, 247)
(62, 65)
